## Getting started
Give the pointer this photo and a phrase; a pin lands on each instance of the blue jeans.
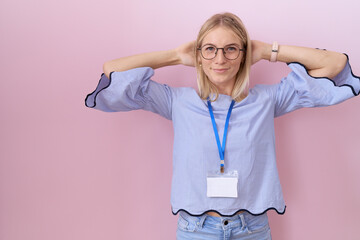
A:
(241, 226)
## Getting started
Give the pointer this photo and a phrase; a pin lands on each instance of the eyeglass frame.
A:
(223, 50)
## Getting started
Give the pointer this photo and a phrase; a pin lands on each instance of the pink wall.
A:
(69, 172)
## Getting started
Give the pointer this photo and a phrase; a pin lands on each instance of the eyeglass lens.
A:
(230, 52)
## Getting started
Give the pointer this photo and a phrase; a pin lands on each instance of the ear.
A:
(199, 59)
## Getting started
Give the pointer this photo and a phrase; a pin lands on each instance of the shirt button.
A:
(226, 222)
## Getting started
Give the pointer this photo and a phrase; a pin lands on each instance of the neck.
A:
(225, 89)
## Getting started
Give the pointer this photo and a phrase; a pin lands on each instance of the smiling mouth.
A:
(221, 70)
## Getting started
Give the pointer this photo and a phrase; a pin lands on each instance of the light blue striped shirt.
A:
(250, 147)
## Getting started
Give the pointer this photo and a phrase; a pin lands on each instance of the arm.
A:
(319, 63)
(183, 54)
(130, 86)
(318, 78)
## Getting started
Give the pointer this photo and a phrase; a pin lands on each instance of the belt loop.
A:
(243, 223)
(202, 220)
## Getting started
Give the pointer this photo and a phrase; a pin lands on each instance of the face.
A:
(219, 70)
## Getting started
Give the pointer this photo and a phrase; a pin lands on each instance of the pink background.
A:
(69, 172)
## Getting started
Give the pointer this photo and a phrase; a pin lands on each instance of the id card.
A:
(222, 184)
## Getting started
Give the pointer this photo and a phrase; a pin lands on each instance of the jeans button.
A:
(226, 222)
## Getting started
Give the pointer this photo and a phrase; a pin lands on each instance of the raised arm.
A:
(318, 78)
(183, 54)
(319, 63)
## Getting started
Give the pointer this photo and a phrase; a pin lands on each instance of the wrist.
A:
(174, 57)
(274, 51)
(266, 54)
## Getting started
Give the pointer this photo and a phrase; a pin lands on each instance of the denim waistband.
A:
(236, 221)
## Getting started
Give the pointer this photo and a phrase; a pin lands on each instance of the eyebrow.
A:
(224, 46)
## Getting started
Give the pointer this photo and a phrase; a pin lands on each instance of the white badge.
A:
(222, 184)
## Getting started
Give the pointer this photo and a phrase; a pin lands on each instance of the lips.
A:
(220, 70)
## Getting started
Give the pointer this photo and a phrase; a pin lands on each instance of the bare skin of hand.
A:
(258, 49)
(186, 53)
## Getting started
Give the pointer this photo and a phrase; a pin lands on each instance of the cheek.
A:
(207, 73)
(206, 68)
(236, 66)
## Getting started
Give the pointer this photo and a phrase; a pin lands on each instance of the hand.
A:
(259, 50)
(186, 53)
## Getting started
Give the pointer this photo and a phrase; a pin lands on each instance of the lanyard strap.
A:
(221, 147)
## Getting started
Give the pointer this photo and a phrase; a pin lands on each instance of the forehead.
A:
(221, 36)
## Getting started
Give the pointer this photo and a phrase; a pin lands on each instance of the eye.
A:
(231, 49)
(209, 48)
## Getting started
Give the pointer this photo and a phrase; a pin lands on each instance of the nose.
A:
(220, 56)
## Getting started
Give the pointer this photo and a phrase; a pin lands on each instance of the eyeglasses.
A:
(231, 52)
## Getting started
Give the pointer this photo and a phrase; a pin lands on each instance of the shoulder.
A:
(184, 92)
(263, 91)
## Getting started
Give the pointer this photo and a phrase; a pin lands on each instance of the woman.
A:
(224, 192)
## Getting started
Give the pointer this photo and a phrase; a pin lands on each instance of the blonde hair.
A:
(206, 87)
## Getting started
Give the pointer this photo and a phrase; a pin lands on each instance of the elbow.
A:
(335, 65)
(341, 63)
(338, 65)
(107, 69)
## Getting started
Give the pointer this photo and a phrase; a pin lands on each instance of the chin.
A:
(220, 81)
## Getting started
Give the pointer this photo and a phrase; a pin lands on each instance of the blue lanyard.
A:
(221, 148)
